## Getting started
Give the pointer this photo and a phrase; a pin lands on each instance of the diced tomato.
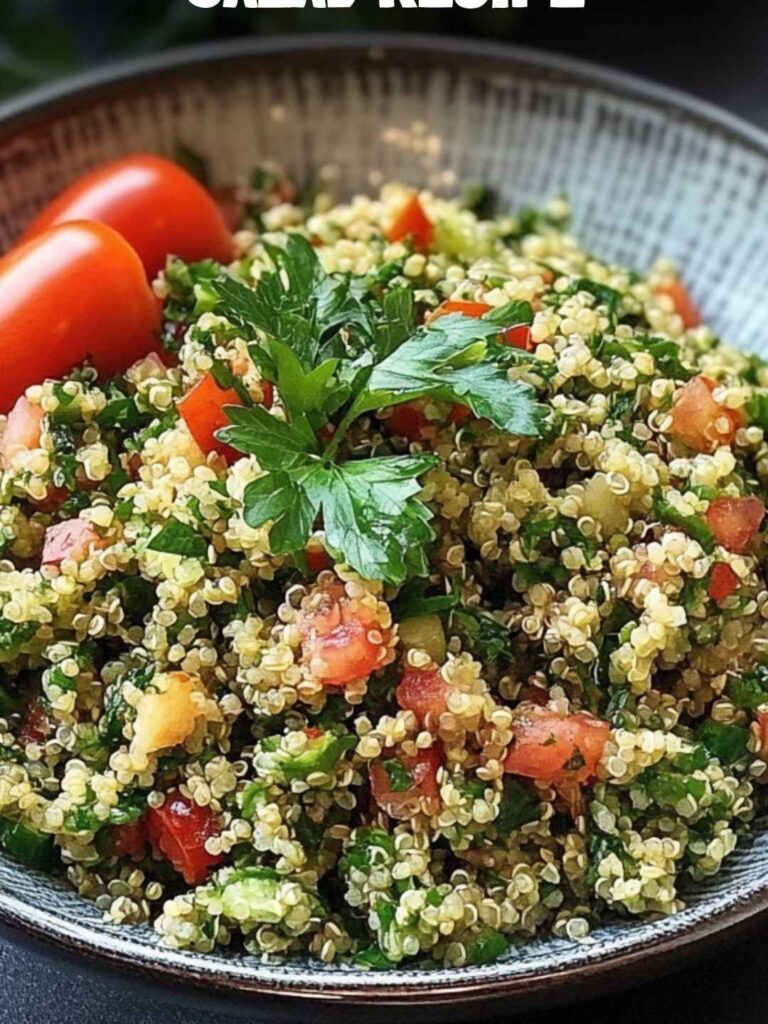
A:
(342, 639)
(409, 420)
(735, 521)
(466, 308)
(518, 337)
(36, 726)
(698, 421)
(424, 692)
(459, 415)
(202, 409)
(411, 222)
(424, 792)
(317, 559)
(179, 830)
(551, 747)
(313, 733)
(22, 430)
(72, 538)
(682, 302)
(129, 840)
(722, 582)
(268, 391)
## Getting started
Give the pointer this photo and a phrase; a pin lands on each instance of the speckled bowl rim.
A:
(638, 950)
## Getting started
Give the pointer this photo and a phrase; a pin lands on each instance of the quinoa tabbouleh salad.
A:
(381, 581)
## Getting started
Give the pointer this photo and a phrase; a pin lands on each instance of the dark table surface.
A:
(722, 57)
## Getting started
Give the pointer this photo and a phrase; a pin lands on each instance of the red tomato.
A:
(459, 415)
(202, 409)
(698, 421)
(268, 391)
(409, 420)
(341, 639)
(412, 222)
(735, 521)
(76, 291)
(129, 840)
(179, 830)
(72, 538)
(22, 430)
(317, 560)
(424, 792)
(153, 203)
(682, 302)
(546, 744)
(36, 726)
(423, 691)
(518, 336)
(723, 582)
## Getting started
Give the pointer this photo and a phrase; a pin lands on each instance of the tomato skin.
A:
(545, 741)
(518, 337)
(735, 521)
(698, 421)
(411, 222)
(424, 794)
(422, 691)
(76, 291)
(682, 302)
(129, 840)
(202, 409)
(153, 203)
(179, 830)
(317, 560)
(723, 582)
(335, 637)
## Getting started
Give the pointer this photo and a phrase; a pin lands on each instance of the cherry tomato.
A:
(551, 747)
(129, 840)
(698, 421)
(71, 538)
(412, 222)
(22, 430)
(422, 691)
(179, 830)
(203, 410)
(735, 521)
(723, 582)
(153, 203)
(342, 639)
(682, 302)
(418, 790)
(76, 291)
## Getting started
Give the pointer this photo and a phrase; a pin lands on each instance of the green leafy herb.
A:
(693, 525)
(483, 635)
(519, 806)
(728, 743)
(177, 538)
(750, 689)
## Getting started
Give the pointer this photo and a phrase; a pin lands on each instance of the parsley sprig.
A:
(337, 350)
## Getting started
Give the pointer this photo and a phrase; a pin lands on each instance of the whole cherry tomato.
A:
(155, 205)
(78, 290)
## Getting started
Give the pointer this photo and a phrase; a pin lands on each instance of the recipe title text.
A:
(468, 5)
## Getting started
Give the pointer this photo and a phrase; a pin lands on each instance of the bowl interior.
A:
(648, 174)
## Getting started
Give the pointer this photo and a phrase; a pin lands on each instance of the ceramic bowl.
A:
(648, 171)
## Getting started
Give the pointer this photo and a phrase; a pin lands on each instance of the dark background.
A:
(717, 49)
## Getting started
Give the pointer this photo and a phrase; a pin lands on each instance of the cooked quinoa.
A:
(548, 706)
